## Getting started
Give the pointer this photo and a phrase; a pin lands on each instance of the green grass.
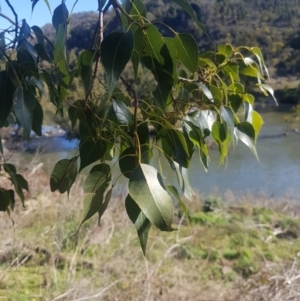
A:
(227, 246)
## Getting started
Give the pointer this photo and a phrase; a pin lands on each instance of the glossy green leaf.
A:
(138, 10)
(104, 205)
(163, 77)
(141, 222)
(98, 175)
(145, 188)
(257, 123)
(38, 35)
(51, 87)
(184, 181)
(63, 175)
(93, 203)
(94, 181)
(232, 70)
(7, 90)
(60, 16)
(260, 58)
(24, 104)
(228, 116)
(175, 193)
(116, 51)
(219, 133)
(196, 136)
(91, 150)
(123, 115)
(174, 146)
(40, 49)
(128, 161)
(37, 120)
(85, 62)
(206, 91)
(225, 49)
(188, 9)
(7, 199)
(60, 43)
(248, 98)
(246, 133)
(235, 101)
(152, 43)
(187, 50)
(265, 87)
(249, 71)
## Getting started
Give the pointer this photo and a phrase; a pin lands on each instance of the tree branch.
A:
(16, 22)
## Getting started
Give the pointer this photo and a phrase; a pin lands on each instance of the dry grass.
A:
(228, 254)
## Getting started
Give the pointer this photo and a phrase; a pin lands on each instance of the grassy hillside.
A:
(241, 249)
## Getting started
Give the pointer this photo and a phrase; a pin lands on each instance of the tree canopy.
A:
(197, 95)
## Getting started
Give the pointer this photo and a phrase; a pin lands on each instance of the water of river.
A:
(276, 174)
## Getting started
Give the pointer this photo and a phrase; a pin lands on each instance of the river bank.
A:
(235, 248)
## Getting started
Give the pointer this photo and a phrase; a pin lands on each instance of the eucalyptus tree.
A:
(197, 95)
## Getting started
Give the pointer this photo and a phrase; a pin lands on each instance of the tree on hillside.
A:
(196, 95)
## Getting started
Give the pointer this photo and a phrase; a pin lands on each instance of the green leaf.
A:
(123, 115)
(145, 188)
(7, 90)
(51, 87)
(116, 51)
(206, 92)
(99, 175)
(94, 181)
(17, 180)
(104, 205)
(232, 70)
(228, 116)
(174, 191)
(260, 58)
(184, 180)
(219, 133)
(128, 161)
(187, 50)
(85, 62)
(60, 43)
(63, 175)
(141, 222)
(196, 136)
(174, 146)
(2, 44)
(91, 150)
(92, 203)
(37, 120)
(152, 43)
(246, 133)
(265, 87)
(40, 49)
(7, 199)
(249, 70)
(235, 101)
(225, 49)
(188, 9)
(38, 34)
(60, 16)
(257, 123)
(24, 104)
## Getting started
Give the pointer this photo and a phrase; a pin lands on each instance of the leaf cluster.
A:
(197, 96)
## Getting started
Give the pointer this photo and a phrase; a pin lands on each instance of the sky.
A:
(41, 14)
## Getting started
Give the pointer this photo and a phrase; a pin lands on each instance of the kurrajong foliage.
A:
(197, 95)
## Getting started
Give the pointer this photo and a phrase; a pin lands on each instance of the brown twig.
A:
(16, 22)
